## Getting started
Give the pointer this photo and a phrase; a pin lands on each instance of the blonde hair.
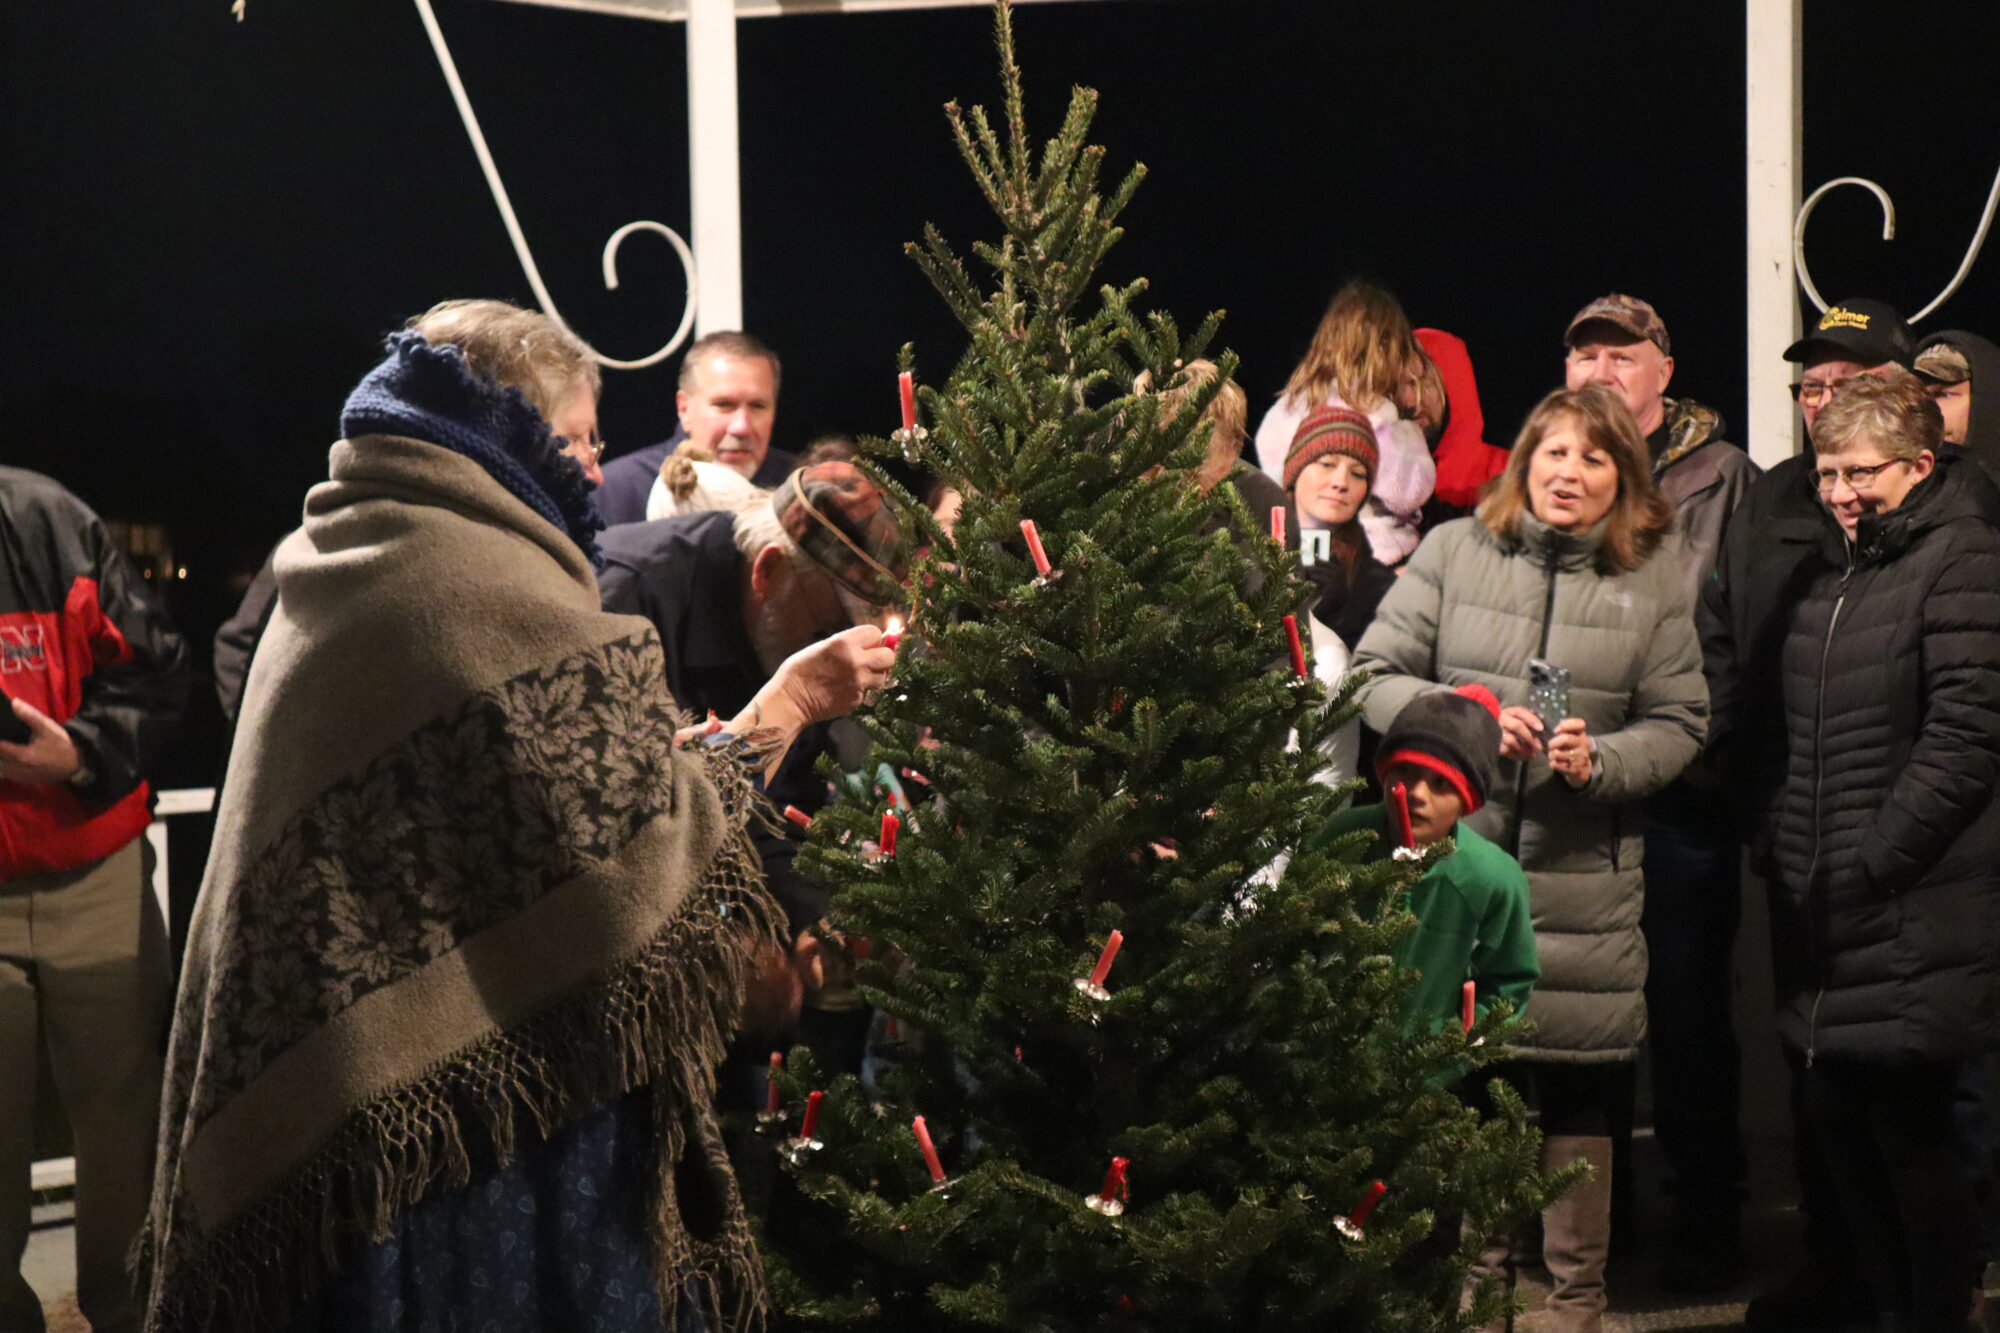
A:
(1893, 412)
(1227, 414)
(1639, 518)
(1362, 349)
(514, 348)
(692, 485)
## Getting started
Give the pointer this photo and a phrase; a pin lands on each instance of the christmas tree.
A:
(1158, 1080)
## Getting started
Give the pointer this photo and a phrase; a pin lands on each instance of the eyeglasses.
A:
(1857, 478)
(592, 442)
(1812, 393)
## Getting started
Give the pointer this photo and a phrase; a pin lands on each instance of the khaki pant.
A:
(84, 967)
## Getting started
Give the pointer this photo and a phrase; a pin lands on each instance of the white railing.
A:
(60, 1172)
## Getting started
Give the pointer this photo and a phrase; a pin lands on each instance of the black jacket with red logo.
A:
(82, 640)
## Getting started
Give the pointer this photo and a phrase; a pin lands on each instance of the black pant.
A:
(1901, 1185)
(1693, 901)
(1592, 1100)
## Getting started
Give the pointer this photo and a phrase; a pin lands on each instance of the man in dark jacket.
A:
(728, 403)
(93, 678)
(1885, 908)
(1769, 554)
(1693, 880)
(1954, 364)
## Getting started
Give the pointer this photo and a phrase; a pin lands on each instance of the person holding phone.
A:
(1565, 565)
(92, 682)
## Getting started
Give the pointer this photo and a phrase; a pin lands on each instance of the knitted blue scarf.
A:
(428, 393)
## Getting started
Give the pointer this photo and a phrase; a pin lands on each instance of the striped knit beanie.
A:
(1331, 430)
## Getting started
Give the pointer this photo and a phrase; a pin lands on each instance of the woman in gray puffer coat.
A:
(1563, 563)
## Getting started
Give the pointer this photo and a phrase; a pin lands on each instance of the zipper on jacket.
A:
(1819, 782)
(1551, 561)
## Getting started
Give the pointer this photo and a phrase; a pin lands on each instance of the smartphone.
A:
(1548, 694)
(12, 729)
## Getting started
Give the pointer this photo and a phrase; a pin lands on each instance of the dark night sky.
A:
(208, 226)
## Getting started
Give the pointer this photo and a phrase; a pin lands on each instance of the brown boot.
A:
(1576, 1235)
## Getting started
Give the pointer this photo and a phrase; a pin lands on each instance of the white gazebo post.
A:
(1772, 137)
(714, 171)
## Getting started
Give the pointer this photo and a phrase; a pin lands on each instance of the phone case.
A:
(1548, 692)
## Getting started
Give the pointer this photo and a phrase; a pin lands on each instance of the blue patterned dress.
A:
(553, 1241)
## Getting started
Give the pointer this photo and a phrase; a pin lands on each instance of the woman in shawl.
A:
(475, 924)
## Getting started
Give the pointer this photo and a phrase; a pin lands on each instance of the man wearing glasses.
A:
(1769, 555)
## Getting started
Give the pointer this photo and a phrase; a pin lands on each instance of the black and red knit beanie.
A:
(1453, 733)
(1331, 430)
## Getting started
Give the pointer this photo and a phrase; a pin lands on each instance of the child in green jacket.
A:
(1472, 906)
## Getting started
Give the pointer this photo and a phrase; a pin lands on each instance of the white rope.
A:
(1888, 234)
(520, 241)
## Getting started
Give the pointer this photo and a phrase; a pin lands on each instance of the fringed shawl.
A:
(463, 886)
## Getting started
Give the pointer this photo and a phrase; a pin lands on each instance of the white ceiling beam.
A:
(676, 11)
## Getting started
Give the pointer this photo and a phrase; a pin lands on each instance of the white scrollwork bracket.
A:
(513, 223)
(1888, 234)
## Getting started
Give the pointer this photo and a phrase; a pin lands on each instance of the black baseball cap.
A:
(1870, 332)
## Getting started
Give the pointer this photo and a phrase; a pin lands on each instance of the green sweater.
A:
(1472, 910)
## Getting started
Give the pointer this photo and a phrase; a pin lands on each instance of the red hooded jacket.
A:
(1465, 462)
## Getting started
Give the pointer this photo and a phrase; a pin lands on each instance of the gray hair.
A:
(1891, 411)
(514, 348)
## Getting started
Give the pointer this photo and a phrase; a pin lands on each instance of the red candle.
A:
(1114, 1181)
(1040, 557)
(1103, 968)
(887, 842)
(930, 1152)
(1467, 1007)
(1278, 524)
(771, 1084)
(1298, 649)
(811, 1122)
(1399, 806)
(893, 633)
(798, 816)
(1367, 1205)
(907, 383)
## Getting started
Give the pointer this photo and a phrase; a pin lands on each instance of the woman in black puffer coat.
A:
(1887, 837)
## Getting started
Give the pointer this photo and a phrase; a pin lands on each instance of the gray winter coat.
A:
(1472, 609)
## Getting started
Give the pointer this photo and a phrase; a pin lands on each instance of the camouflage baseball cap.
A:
(1629, 313)
(1942, 363)
(844, 524)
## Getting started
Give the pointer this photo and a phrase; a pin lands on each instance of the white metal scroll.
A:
(513, 224)
(1888, 234)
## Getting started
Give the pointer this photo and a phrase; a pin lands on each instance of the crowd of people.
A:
(423, 1058)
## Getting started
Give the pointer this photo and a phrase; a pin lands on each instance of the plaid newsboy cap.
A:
(844, 524)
